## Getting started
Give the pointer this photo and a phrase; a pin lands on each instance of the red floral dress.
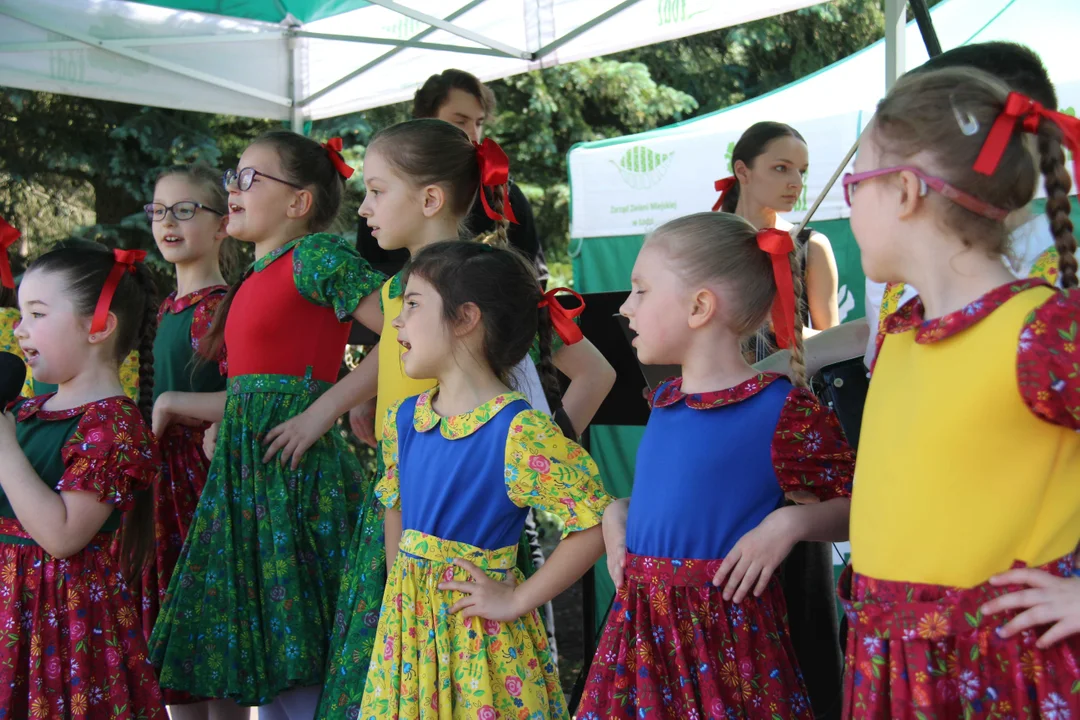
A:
(672, 647)
(182, 324)
(919, 651)
(74, 647)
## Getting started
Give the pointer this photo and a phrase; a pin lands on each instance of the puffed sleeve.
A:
(201, 320)
(1048, 360)
(546, 471)
(809, 450)
(387, 487)
(111, 453)
(330, 272)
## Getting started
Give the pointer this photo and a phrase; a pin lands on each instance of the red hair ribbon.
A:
(1022, 109)
(333, 151)
(494, 171)
(561, 318)
(779, 245)
(125, 262)
(723, 186)
(8, 236)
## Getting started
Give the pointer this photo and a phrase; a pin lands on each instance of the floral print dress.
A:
(710, 468)
(463, 485)
(73, 645)
(249, 610)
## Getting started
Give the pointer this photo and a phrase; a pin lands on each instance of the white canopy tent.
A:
(301, 60)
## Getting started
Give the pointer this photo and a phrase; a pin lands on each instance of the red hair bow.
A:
(125, 262)
(494, 171)
(1028, 113)
(561, 318)
(723, 186)
(8, 236)
(333, 151)
(779, 245)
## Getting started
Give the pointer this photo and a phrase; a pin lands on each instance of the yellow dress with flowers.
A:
(463, 485)
(9, 318)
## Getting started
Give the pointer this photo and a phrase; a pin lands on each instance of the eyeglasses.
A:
(185, 210)
(246, 176)
(927, 182)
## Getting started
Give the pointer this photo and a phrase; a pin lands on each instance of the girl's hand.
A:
(1048, 600)
(293, 437)
(752, 561)
(162, 415)
(209, 440)
(614, 527)
(487, 598)
(362, 422)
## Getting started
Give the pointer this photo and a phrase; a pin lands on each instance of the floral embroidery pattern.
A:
(809, 450)
(1048, 364)
(458, 426)
(670, 392)
(672, 648)
(926, 652)
(330, 272)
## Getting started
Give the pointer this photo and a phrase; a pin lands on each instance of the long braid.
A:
(798, 358)
(498, 203)
(137, 535)
(549, 376)
(1057, 184)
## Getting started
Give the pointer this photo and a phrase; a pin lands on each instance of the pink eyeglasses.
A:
(958, 196)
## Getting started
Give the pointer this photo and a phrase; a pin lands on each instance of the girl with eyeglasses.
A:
(982, 476)
(248, 612)
(188, 219)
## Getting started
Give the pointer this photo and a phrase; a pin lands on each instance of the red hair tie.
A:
(8, 236)
(333, 151)
(779, 245)
(125, 262)
(561, 318)
(494, 171)
(723, 186)
(1025, 111)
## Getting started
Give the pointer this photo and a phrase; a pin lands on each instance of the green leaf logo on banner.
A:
(642, 168)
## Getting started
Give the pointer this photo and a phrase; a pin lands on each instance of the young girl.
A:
(984, 366)
(248, 612)
(459, 635)
(698, 628)
(76, 465)
(422, 177)
(188, 217)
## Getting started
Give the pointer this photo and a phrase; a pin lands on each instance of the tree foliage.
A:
(78, 166)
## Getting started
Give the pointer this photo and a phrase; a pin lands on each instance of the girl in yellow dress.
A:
(459, 635)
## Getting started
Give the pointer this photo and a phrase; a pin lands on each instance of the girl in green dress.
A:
(249, 609)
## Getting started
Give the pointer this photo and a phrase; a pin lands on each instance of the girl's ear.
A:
(302, 203)
(222, 231)
(468, 319)
(434, 199)
(742, 173)
(703, 307)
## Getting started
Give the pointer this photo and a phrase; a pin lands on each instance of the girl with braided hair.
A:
(984, 367)
(698, 627)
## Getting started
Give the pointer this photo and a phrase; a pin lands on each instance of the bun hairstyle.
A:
(503, 285)
(723, 248)
(434, 152)
(946, 116)
(84, 267)
(309, 165)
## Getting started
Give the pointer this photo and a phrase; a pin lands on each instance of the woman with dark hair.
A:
(769, 163)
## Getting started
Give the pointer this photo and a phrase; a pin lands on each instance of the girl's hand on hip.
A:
(751, 563)
(295, 436)
(1048, 601)
(487, 598)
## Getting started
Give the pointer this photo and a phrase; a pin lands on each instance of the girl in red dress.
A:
(699, 628)
(188, 218)
(74, 463)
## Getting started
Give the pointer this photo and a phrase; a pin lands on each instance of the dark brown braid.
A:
(498, 203)
(1057, 183)
(549, 375)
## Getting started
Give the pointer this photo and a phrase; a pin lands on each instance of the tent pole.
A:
(581, 29)
(895, 40)
(368, 40)
(296, 113)
(385, 56)
(926, 27)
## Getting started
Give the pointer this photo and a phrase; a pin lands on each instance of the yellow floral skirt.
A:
(428, 663)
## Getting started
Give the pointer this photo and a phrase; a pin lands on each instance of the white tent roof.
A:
(628, 185)
(350, 56)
